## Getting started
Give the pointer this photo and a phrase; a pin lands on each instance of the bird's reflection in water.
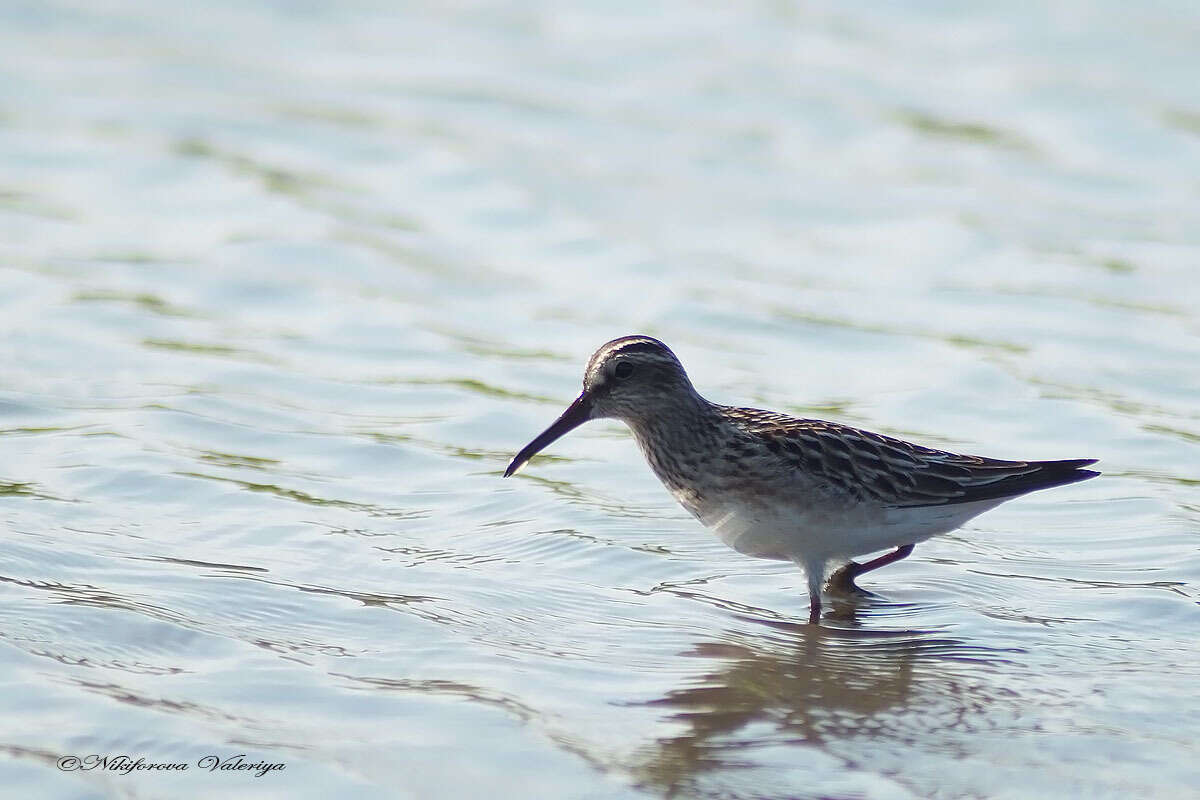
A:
(819, 686)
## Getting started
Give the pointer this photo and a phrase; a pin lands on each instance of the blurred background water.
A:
(284, 285)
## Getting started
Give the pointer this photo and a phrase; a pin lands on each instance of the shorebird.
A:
(775, 486)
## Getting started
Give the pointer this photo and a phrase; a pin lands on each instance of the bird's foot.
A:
(842, 581)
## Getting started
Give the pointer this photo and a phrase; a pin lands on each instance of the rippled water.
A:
(284, 285)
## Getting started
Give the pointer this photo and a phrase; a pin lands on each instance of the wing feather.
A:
(893, 472)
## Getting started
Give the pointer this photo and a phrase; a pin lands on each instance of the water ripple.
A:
(273, 326)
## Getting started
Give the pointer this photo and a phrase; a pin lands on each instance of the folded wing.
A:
(892, 472)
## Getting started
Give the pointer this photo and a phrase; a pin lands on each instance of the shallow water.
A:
(283, 288)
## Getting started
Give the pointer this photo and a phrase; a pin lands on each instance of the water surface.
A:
(283, 288)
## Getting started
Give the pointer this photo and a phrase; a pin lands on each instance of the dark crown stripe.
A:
(638, 346)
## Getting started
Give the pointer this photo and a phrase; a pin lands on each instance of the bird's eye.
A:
(623, 370)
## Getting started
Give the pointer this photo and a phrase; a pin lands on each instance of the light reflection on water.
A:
(284, 288)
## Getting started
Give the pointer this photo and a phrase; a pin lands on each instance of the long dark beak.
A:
(576, 414)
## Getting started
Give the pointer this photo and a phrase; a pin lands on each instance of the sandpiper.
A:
(774, 486)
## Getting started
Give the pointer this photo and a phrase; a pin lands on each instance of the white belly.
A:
(825, 532)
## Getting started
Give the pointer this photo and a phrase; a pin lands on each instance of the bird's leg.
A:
(842, 580)
(814, 607)
(813, 570)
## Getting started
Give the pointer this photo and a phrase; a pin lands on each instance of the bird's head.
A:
(631, 379)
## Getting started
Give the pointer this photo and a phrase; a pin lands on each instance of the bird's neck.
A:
(678, 438)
